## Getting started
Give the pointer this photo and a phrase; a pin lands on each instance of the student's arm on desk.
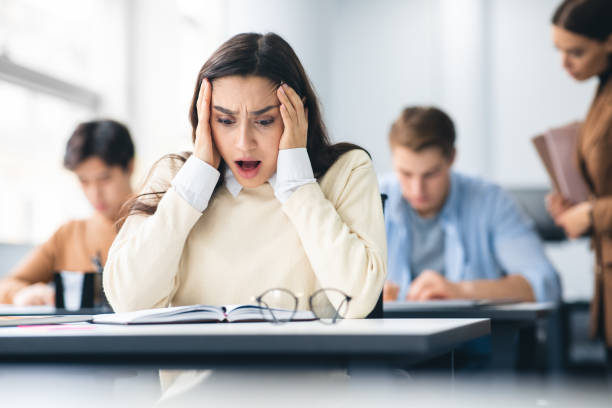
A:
(431, 285)
(509, 287)
(519, 251)
(37, 267)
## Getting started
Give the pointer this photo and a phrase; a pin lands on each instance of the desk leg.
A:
(504, 339)
(452, 364)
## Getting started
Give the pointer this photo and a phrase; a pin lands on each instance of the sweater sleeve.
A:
(344, 239)
(141, 270)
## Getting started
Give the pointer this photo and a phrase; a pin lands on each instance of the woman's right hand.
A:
(204, 148)
(556, 205)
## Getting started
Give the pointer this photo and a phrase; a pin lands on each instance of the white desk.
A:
(375, 339)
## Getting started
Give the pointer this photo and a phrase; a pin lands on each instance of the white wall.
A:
(529, 90)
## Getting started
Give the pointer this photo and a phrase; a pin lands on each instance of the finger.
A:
(286, 102)
(417, 293)
(293, 96)
(432, 294)
(389, 295)
(417, 285)
(417, 289)
(426, 294)
(285, 116)
(425, 278)
(200, 101)
(297, 102)
(390, 291)
(433, 288)
(206, 102)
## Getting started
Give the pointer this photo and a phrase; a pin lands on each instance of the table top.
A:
(349, 337)
(524, 311)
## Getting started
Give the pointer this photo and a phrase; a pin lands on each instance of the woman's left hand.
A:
(295, 118)
(576, 220)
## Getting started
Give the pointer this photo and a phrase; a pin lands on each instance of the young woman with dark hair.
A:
(101, 154)
(264, 201)
(582, 31)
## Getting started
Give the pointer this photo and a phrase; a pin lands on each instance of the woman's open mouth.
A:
(248, 168)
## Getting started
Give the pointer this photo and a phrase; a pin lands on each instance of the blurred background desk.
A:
(519, 332)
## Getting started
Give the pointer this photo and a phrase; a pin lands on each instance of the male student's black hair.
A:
(107, 139)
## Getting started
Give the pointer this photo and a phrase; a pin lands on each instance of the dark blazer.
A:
(595, 162)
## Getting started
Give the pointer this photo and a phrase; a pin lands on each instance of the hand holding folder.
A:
(557, 149)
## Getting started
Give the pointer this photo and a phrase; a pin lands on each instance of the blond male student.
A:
(451, 236)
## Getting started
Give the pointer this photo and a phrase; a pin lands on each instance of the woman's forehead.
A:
(240, 92)
(565, 39)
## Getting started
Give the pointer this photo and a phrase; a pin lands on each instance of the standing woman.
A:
(264, 201)
(582, 31)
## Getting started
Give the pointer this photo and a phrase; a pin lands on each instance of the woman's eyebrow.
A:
(264, 110)
(224, 110)
(255, 113)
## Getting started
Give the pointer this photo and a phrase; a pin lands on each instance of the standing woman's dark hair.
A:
(591, 18)
(582, 32)
(588, 18)
(268, 56)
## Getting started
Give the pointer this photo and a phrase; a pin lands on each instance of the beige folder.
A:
(557, 149)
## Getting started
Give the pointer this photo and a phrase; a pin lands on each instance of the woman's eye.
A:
(225, 121)
(265, 122)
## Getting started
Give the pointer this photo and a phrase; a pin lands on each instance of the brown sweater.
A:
(70, 248)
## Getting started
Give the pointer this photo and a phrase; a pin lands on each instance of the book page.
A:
(177, 314)
(252, 313)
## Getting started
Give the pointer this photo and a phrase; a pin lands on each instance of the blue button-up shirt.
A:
(486, 236)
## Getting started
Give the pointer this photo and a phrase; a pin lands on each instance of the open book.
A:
(557, 149)
(198, 314)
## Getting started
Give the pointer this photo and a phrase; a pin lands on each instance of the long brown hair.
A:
(268, 56)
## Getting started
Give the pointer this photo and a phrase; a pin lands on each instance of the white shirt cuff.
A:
(195, 182)
(293, 170)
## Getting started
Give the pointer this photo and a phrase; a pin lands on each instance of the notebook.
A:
(199, 314)
(557, 149)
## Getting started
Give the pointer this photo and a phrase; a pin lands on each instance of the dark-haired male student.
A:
(452, 236)
(101, 155)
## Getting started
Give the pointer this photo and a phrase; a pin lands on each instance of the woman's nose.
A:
(245, 140)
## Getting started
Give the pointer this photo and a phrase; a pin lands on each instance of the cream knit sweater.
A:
(327, 234)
